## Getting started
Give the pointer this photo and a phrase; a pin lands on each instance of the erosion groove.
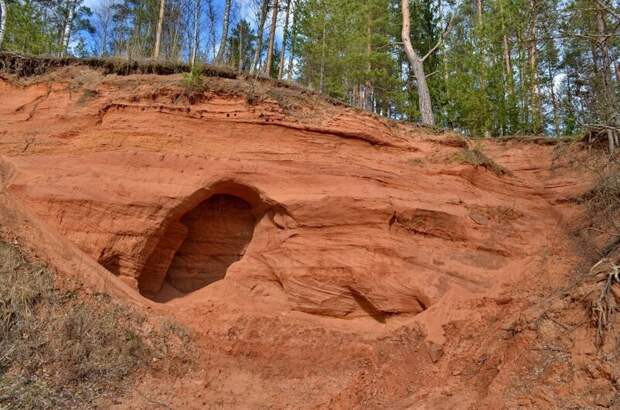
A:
(275, 119)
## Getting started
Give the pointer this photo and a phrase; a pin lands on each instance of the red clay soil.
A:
(323, 257)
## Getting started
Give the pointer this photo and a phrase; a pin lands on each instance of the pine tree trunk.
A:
(533, 69)
(482, 63)
(272, 38)
(196, 31)
(3, 11)
(606, 93)
(160, 27)
(211, 46)
(554, 104)
(446, 75)
(240, 66)
(424, 95)
(506, 51)
(508, 65)
(284, 38)
(222, 49)
(291, 56)
(261, 28)
(570, 108)
(322, 72)
(66, 33)
(368, 92)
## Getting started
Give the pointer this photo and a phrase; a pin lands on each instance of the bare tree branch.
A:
(609, 9)
(444, 35)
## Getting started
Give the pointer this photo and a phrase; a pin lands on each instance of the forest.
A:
(480, 67)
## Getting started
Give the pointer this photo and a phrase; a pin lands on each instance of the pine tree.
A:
(242, 43)
(272, 37)
(416, 62)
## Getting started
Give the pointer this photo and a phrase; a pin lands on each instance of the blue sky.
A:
(245, 5)
(240, 9)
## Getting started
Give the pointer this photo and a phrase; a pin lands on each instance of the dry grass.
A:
(61, 348)
(474, 156)
(452, 140)
(23, 65)
(603, 204)
(604, 197)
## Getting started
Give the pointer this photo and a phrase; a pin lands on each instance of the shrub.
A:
(193, 82)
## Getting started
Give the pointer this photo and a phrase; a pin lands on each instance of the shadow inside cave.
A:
(208, 239)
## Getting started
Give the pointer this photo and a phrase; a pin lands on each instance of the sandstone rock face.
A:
(225, 210)
(339, 223)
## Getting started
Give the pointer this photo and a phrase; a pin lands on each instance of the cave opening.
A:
(197, 250)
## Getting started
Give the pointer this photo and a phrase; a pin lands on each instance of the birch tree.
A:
(196, 31)
(66, 33)
(3, 10)
(284, 39)
(224, 39)
(160, 27)
(261, 28)
(212, 18)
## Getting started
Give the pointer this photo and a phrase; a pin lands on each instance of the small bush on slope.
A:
(474, 156)
(193, 81)
(62, 348)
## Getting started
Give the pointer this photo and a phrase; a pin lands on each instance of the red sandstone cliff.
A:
(325, 258)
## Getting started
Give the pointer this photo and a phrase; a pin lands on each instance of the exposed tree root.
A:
(605, 306)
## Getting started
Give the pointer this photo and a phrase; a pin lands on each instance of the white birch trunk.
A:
(284, 38)
(222, 49)
(3, 11)
(160, 27)
(67, 29)
(196, 31)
